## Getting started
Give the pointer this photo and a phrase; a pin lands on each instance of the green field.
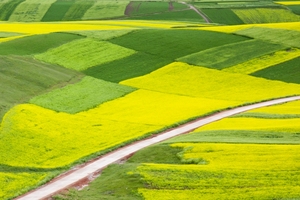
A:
(281, 36)
(222, 16)
(22, 78)
(58, 10)
(231, 54)
(38, 43)
(7, 8)
(81, 96)
(288, 72)
(173, 44)
(78, 9)
(131, 66)
(31, 10)
(85, 53)
(295, 9)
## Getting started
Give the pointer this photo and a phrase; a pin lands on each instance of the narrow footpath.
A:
(197, 11)
(88, 170)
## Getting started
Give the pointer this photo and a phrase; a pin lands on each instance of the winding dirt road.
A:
(88, 170)
(197, 11)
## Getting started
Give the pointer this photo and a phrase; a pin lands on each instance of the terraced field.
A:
(71, 91)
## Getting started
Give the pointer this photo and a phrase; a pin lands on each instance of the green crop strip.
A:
(231, 54)
(288, 72)
(58, 10)
(37, 43)
(85, 53)
(78, 9)
(81, 96)
(8, 8)
(173, 44)
(281, 36)
(222, 16)
(132, 66)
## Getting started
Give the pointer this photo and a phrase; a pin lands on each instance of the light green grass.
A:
(280, 36)
(31, 10)
(231, 54)
(106, 9)
(9, 34)
(83, 54)
(266, 15)
(81, 96)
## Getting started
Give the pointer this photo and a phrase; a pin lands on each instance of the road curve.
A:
(86, 171)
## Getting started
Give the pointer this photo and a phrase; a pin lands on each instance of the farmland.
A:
(211, 162)
(74, 87)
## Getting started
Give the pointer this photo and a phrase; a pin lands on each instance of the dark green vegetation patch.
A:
(135, 65)
(58, 10)
(173, 44)
(222, 16)
(229, 55)
(8, 8)
(77, 10)
(22, 78)
(288, 71)
(37, 43)
(295, 9)
(184, 15)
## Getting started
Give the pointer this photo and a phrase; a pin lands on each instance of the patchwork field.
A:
(74, 90)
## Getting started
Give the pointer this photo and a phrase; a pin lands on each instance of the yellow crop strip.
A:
(265, 61)
(288, 3)
(184, 79)
(232, 171)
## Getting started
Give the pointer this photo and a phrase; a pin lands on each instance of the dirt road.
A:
(88, 170)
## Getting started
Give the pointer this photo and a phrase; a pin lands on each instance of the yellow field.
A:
(232, 171)
(54, 139)
(184, 79)
(17, 182)
(288, 3)
(262, 62)
(287, 108)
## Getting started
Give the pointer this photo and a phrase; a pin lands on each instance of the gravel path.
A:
(89, 169)
(197, 11)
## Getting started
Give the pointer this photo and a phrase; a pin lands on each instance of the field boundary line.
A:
(85, 173)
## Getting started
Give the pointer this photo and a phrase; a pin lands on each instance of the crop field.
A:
(22, 78)
(231, 54)
(7, 8)
(38, 43)
(31, 10)
(170, 43)
(287, 71)
(295, 9)
(265, 15)
(74, 90)
(106, 10)
(57, 10)
(81, 96)
(137, 64)
(216, 162)
(281, 36)
(85, 53)
(184, 15)
(183, 79)
(222, 16)
(263, 62)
